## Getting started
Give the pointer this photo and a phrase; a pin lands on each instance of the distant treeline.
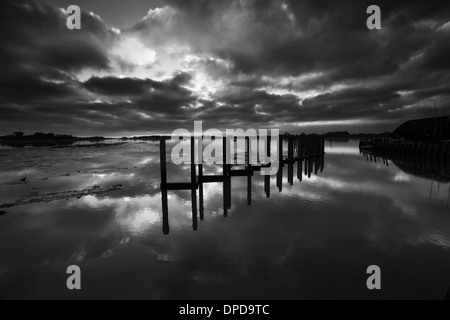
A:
(39, 139)
(348, 135)
(146, 138)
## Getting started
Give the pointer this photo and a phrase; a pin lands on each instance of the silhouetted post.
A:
(193, 168)
(225, 156)
(200, 190)
(165, 205)
(165, 209)
(299, 170)
(291, 148)
(225, 175)
(194, 209)
(306, 166)
(306, 147)
(299, 159)
(280, 151)
(291, 161)
(228, 198)
(200, 179)
(163, 163)
(194, 186)
(322, 162)
(249, 169)
(267, 186)
(280, 178)
(310, 168)
(316, 164)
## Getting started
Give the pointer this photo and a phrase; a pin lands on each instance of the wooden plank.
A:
(212, 179)
(180, 186)
(259, 167)
(241, 173)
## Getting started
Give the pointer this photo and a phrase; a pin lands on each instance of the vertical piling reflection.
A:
(200, 191)
(300, 148)
(434, 169)
(291, 161)
(267, 186)
(249, 171)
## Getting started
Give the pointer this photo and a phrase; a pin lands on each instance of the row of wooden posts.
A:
(309, 150)
(434, 168)
(423, 149)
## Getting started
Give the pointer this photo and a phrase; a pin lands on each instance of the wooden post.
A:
(165, 209)
(267, 186)
(165, 205)
(200, 183)
(225, 175)
(280, 151)
(299, 159)
(194, 184)
(280, 178)
(249, 168)
(163, 163)
(299, 147)
(291, 159)
(193, 167)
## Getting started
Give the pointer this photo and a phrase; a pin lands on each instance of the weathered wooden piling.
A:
(200, 182)
(267, 186)
(193, 186)
(290, 161)
(408, 148)
(165, 205)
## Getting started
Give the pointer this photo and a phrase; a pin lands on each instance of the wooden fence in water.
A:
(306, 152)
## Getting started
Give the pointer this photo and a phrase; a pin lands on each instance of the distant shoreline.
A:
(20, 140)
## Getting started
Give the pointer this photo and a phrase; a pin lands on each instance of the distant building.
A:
(425, 129)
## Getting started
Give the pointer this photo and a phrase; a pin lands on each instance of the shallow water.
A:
(313, 240)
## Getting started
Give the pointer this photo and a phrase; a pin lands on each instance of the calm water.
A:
(315, 239)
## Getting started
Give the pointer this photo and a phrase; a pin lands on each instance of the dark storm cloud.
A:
(119, 86)
(38, 55)
(293, 38)
(279, 62)
(331, 38)
(123, 105)
(37, 34)
(162, 97)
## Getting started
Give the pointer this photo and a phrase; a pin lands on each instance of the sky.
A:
(143, 67)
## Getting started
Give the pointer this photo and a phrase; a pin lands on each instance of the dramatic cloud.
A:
(308, 65)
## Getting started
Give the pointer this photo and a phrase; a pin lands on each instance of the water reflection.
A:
(436, 170)
(429, 168)
(315, 239)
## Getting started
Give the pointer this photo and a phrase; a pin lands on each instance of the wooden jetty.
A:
(410, 148)
(435, 169)
(309, 150)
